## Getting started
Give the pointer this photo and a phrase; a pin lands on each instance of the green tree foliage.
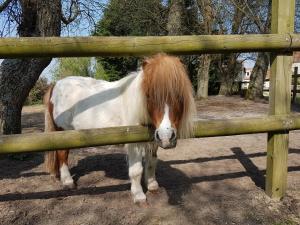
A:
(37, 92)
(129, 18)
(115, 68)
(133, 17)
(157, 17)
(84, 66)
(142, 18)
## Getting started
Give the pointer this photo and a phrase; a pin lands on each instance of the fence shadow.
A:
(114, 166)
(174, 181)
(11, 168)
(252, 170)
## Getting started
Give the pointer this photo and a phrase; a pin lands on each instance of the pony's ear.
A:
(145, 62)
(180, 60)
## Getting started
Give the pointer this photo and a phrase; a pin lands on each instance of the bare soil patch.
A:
(217, 180)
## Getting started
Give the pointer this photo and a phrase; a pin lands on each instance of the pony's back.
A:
(85, 103)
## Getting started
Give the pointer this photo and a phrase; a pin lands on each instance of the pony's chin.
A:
(168, 145)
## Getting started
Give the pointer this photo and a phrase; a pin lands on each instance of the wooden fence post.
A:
(280, 100)
(295, 79)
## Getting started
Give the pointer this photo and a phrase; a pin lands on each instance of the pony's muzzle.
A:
(165, 139)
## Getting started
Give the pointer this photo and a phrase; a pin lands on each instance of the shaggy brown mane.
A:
(166, 81)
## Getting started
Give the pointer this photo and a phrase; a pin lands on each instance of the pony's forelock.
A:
(165, 80)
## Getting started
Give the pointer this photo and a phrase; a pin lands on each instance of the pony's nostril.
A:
(173, 137)
(157, 136)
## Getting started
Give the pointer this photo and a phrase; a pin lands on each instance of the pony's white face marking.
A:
(165, 134)
(166, 123)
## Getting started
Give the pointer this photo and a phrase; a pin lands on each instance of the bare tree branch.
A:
(249, 13)
(4, 5)
(74, 11)
(256, 20)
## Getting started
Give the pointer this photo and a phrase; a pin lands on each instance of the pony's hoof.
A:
(139, 198)
(68, 186)
(154, 192)
(143, 204)
(153, 186)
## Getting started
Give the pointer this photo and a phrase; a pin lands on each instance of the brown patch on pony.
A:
(51, 160)
(49, 123)
(166, 81)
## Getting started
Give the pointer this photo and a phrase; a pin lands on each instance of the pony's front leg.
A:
(135, 156)
(150, 167)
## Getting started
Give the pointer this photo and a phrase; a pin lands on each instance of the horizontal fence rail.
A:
(119, 135)
(137, 46)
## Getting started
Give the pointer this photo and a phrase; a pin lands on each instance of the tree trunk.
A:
(257, 78)
(231, 72)
(18, 76)
(206, 9)
(225, 86)
(228, 75)
(203, 76)
(175, 25)
(259, 72)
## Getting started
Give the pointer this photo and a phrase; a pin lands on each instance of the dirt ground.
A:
(217, 180)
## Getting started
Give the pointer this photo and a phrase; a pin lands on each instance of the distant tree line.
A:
(210, 74)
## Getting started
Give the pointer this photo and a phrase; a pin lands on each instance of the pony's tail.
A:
(51, 161)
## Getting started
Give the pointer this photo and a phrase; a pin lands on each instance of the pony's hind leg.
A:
(65, 176)
(135, 157)
(150, 167)
(56, 161)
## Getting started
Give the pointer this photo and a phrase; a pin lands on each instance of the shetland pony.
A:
(160, 94)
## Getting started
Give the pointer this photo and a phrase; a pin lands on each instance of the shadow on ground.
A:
(174, 181)
(13, 168)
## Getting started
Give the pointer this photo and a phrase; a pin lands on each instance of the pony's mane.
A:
(165, 80)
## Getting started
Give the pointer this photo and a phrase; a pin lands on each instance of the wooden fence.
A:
(138, 46)
(281, 43)
(295, 89)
